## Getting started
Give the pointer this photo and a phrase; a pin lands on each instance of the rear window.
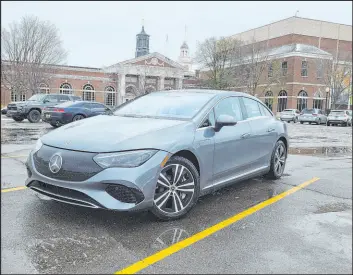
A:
(309, 111)
(336, 113)
(288, 111)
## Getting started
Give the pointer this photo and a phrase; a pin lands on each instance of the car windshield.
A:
(309, 111)
(165, 105)
(37, 97)
(337, 113)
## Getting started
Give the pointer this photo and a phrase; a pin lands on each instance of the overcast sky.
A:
(103, 33)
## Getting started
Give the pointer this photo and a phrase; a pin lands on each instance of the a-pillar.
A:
(161, 83)
(121, 89)
(179, 83)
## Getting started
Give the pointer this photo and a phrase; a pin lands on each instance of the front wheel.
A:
(177, 189)
(34, 116)
(278, 161)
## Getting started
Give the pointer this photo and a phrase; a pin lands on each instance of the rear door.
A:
(98, 109)
(264, 135)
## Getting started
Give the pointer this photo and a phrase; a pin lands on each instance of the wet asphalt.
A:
(309, 231)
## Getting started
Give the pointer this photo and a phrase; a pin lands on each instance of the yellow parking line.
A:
(13, 189)
(13, 157)
(138, 266)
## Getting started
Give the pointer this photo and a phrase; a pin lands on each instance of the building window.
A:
(270, 70)
(13, 96)
(304, 68)
(282, 101)
(66, 89)
(302, 100)
(22, 97)
(269, 99)
(109, 96)
(43, 89)
(88, 93)
(284, 68)
(318, 100)
(320, 69)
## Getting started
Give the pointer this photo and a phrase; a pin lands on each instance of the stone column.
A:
(161, 83)
(121, 89)
(141, 79)
(179, 83)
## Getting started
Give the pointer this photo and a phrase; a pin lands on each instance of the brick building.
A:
(298, 44)
(114, 84)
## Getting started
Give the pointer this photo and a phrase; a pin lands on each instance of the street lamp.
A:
(327, 95)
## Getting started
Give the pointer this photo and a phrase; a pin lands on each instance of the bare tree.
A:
(336, 75)
(255, 63)
(218, 58)
(28, 49)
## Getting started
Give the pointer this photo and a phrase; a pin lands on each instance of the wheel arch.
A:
(190, 156)
(35, 108)
(285, 141)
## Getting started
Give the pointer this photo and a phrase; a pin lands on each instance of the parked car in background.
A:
(342, 117)
(160, 152)
(4, 111)
(316, 116)
(32, 108)
(71, 111)
(290, 115)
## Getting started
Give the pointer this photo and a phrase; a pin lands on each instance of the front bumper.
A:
(337, 121)
(15, 113)
(93, 191)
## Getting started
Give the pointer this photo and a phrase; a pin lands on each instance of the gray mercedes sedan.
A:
(160, 152)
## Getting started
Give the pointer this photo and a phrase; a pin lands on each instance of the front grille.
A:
(64, 194)
(12, 107)
(76, 166)
(125, 194)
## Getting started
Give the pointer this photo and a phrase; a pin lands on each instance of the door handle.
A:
(270, 129)
(245, 135)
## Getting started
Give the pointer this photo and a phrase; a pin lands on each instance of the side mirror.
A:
(224, 120)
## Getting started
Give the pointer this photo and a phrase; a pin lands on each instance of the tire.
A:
(18, 119)
(169, 204)
(281, 150)
(34, 116)
(301, 122)
(319, 122)
(77, 117)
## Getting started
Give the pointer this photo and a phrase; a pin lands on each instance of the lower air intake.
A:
(125, 194)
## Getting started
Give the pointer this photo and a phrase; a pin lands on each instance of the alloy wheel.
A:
(175, 189)
(280, 159)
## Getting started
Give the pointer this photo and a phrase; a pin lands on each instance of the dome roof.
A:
(184, 46)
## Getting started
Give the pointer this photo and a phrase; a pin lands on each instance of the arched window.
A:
(318, 100)
(269, 99)
(13, 96)
(109, 96)
(43, 88)
(66, 89)
(130, 92)
(88, 93)
(282, 101)
(302, 100)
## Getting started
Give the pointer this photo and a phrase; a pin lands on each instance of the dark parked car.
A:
(32, 108)
(71, 111)
(161, 152)
(4, 111)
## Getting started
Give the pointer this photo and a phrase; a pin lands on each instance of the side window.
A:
(63, 98)
(209, 120)
(264, 110)
(97, 105)
(252, 107)
(229, 106)
(51, 98)
(87, 105)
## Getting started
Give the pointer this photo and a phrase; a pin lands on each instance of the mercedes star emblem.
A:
(55, 163)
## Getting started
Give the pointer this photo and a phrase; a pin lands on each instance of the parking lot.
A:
(301, 223)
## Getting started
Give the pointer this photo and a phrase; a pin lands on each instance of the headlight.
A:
(124, 159)
(39, 145)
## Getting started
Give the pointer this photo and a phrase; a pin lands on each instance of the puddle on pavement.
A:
(334, 207)
(321, 151)
(21, 135)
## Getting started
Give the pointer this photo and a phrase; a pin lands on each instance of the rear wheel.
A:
(18, 119)
(55, 125)
(34, 116)
(78, 117)
(278, 161)
(177, 189)
(301, 122)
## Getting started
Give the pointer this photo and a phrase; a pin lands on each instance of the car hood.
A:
(25, 103)
(113, 133)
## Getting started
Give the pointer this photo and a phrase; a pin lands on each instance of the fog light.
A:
(125, 194)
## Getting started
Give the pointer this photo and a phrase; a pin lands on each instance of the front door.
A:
(232, 144)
